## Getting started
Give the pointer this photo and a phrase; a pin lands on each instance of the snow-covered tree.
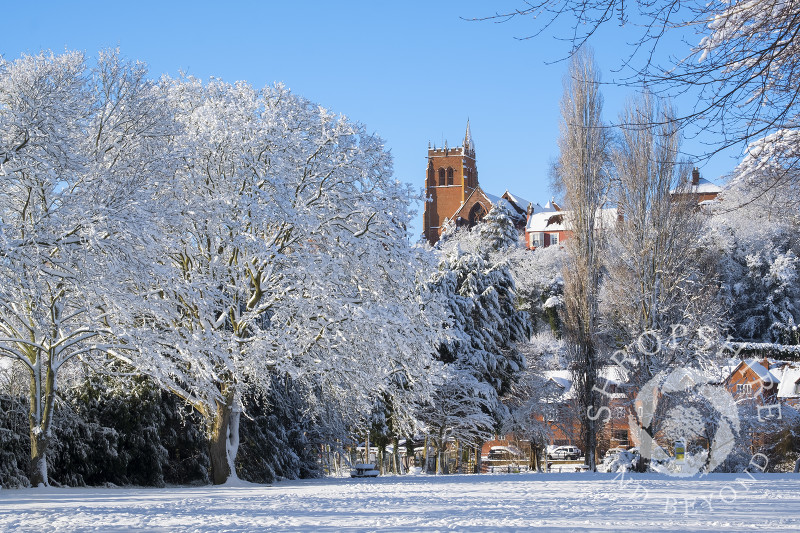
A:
(534, 399)
(660, 269)
(460, 412)
(758, 247)
(479, 291)
(286, 254)
(76, 149)
(540, 284)
(480, 354)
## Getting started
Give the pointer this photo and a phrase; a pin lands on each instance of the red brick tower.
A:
(451, 177)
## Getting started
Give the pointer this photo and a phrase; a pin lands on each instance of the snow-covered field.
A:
(523, 502)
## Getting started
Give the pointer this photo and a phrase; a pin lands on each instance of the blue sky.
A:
(411, 71)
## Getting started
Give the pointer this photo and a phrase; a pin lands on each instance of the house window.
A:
(449, 175)
(744, 388)
(553, 238)
(797, 388)
(441, 177)
(620, 435)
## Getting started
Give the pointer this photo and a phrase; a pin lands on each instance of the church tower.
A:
(451, 178)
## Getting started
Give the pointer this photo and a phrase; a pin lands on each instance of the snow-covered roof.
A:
(517, 200)
(789, 377)
(763, 373)
(562, 378)
(609, 375)
(703, 187)
(559, 220)
(500, 201)
(546, 221)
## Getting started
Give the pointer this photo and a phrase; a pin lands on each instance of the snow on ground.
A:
(509, 502)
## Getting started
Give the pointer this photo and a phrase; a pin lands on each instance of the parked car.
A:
(564, 452)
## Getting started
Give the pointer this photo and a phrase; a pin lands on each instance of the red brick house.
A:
(550, 225)
(703, 189)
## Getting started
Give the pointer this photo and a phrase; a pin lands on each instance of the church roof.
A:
(519, 202)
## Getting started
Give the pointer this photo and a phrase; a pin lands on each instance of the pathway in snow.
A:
(524, 502)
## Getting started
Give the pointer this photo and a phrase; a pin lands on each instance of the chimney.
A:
(695, 177)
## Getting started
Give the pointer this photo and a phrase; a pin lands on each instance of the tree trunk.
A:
(40, 416)
(440, 443)
(395, 455)
(38, 464)
(224, 441)
(478, 460)
(425, 456)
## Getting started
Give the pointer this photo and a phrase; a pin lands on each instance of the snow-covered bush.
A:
(277, 435)
(622, 461)
(14, 441)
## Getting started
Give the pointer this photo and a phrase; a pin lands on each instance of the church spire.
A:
(469, 143)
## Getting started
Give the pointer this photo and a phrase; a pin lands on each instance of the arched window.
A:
(449, 175)
(476, 214)
(441, 177)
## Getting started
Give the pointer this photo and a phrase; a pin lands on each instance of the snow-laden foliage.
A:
(534, 398)
(76, 147)
(758, 256)
(123, 430)
(537, 275)
(460, 412)
(14, 442)
(479, 353)
(540, 284)
(282, 250)
(751, 51)
(108, 431)
(280, 435)
(486, 323)
(210, 235)
(767, 181)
